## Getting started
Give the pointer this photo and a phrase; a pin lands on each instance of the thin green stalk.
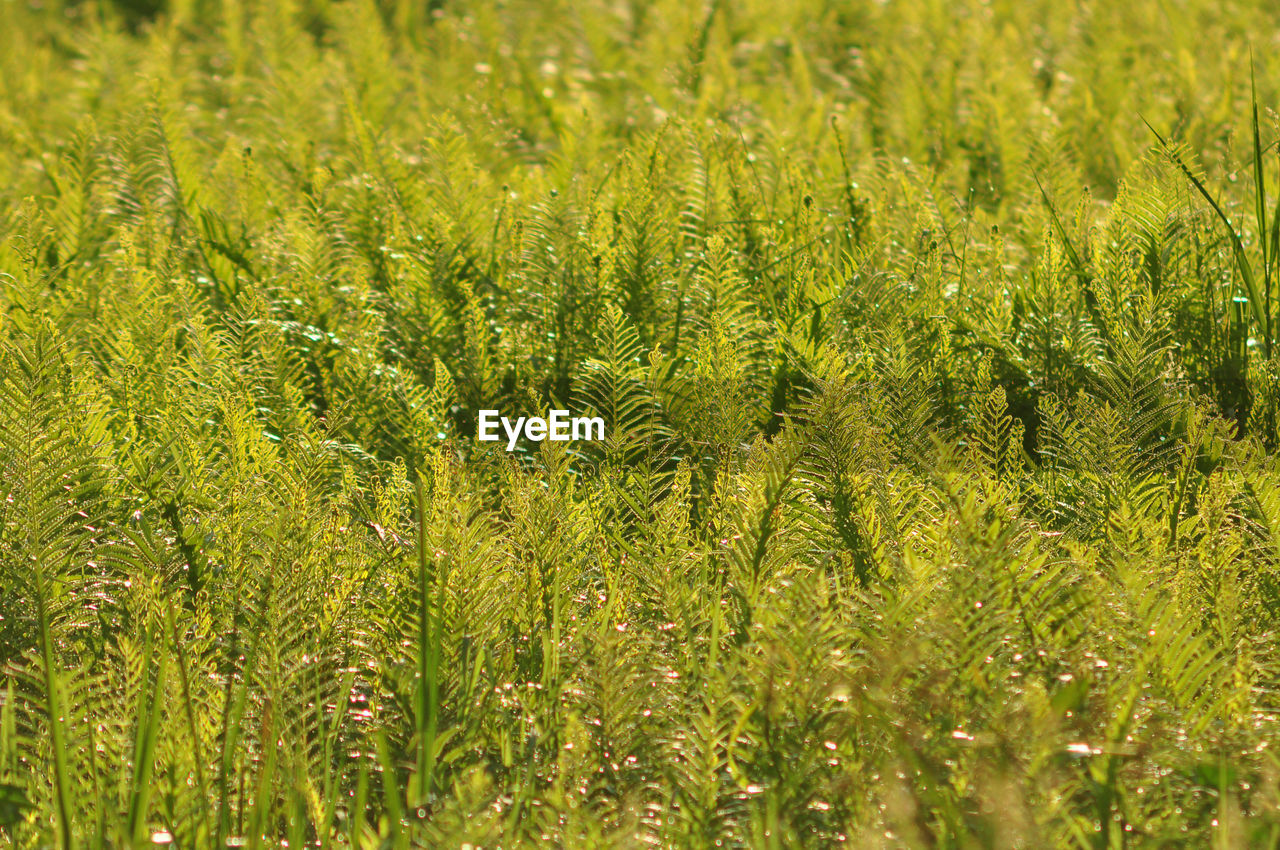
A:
(148, 716)
(331, 733)
(234, 707)
(188, 705)
(1257, 304)
(262, 798)
(428, 659)
(1260, 199)
(357, 816)
(393, 810)
(57, 730)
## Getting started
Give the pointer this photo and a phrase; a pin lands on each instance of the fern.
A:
(937, 504)
(54, 489)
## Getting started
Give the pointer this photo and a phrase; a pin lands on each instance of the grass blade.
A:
(1256, 301)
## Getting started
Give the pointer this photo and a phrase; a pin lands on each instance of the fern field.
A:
(938, 348)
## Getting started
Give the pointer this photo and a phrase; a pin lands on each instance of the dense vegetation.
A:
(939, 505)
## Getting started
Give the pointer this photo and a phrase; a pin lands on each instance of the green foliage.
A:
(937, 505)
